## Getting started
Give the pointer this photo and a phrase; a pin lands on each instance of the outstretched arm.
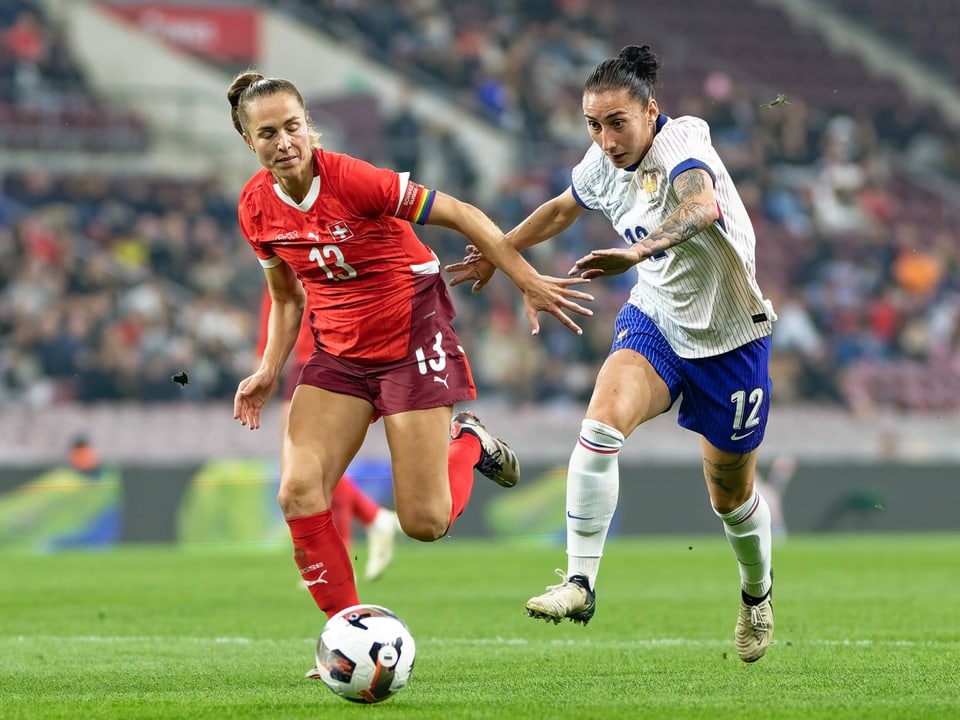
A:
(696, 211)
(547, 221)
(540, 292)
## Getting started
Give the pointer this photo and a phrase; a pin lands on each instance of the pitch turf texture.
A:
(867, 627)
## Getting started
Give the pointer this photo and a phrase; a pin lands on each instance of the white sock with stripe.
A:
(593, 489)
(748, 531)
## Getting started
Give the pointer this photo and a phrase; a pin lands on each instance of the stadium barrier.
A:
(231, 501)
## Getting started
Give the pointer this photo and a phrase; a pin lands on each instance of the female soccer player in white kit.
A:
(696, 325)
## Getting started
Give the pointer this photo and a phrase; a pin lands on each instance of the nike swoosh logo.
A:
(737, 436)
(577, 517)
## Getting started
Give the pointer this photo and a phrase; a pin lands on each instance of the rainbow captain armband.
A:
(416, 203)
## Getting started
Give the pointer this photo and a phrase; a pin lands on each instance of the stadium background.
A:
(121, 263)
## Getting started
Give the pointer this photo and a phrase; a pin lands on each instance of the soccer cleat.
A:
(754, 629)
(497, 461)
(571, 599)
(380, 539)
(313, 674)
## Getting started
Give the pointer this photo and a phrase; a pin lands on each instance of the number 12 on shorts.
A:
(746, 416)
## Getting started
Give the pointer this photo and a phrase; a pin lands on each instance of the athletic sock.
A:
(748, 531)
(593, 489)
(363, 507)
(323, 561)
(341, 505)
(463, 455)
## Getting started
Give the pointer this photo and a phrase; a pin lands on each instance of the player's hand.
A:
(613, 261)
(473, 267)
(252, 394)
(557, 297)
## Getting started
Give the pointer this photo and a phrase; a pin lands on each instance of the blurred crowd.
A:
(45, 101)
(109, 286)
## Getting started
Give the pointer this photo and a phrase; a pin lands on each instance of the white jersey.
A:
(702, 293)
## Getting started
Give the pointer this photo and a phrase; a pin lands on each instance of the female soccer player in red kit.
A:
(334, 234)
(348, 500)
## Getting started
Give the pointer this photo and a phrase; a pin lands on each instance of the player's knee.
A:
(423, 525)
(297, 499)
(729, 500)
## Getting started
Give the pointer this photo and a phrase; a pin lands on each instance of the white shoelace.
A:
(563, 576)
(757, 618)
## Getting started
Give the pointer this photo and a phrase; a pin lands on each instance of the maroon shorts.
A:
(434, 375)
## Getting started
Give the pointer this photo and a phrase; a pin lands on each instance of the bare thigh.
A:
(729, 476)
(628, 392)
(324, 431)
(419, 442)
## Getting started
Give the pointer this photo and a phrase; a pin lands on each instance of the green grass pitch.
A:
(867, 627)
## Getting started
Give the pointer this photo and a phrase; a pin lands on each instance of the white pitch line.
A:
(474, 642)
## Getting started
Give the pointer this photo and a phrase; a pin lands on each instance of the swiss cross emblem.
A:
(339, 231)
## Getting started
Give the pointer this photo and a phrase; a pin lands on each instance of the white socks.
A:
(593, 488)
(748, 531)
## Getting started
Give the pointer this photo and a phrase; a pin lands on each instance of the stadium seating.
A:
(928, 31)
(45, 102)
(521, 71)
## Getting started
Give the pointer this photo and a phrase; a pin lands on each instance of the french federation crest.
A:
(650, 181)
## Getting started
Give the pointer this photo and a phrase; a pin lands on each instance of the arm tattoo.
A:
(689, 217)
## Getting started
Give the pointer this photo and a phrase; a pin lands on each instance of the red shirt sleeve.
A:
(375, 191)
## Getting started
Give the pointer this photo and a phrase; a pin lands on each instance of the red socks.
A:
(464, 454)
(321, 552)
(349, 502)
(323, 561)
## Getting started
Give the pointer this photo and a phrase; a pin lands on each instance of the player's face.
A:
(278, 132)
(620, 125)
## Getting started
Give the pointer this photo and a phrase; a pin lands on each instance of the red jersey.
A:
(365, 272)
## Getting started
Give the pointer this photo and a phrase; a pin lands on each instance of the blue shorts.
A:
(726, 398)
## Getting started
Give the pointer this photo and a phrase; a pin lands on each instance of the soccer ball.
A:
(365, 654)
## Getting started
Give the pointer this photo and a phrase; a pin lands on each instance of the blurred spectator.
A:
(83, 457)
(404, 133)
(45, 103)
(108, 286)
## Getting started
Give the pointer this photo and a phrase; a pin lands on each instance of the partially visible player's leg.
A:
(426, 497)
(342, 508)
(350, 503)
(309, 472)
(434, 459)
(729, 409)
(497, 461)
(433, 472)
(773, 489)
(746, 524)
(381, 538)
(745, 514)
(628, 391)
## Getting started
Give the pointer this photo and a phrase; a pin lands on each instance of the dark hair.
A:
(251, 85)
(635, 69)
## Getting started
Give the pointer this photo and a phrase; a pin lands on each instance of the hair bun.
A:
(643, 60)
